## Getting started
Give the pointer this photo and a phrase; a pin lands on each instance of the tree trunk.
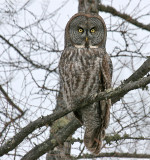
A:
(88, 6)
(61, 152)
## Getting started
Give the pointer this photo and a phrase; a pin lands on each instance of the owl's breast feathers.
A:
(83, 72)
(84, 65)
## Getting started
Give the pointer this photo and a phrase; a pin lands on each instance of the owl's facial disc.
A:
(86, 32)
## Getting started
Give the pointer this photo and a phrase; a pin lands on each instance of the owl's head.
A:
(85, 31)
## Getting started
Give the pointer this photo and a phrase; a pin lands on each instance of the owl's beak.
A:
(86, 42)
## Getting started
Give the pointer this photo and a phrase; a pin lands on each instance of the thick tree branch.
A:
(141, 72)
(109, 94)
(124, 16)
(118, 92)
(115, 137)
(51, 143)
(115, 154)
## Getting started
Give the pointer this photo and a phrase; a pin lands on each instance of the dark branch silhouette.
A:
(126, 17)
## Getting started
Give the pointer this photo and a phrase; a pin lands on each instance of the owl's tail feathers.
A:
(93, 139)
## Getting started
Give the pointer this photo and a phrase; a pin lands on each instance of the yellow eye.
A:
(92, 30)
(80, 30)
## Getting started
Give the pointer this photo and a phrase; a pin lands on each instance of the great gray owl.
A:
(85, 68)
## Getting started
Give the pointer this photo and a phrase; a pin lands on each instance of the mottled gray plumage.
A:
(85, 68)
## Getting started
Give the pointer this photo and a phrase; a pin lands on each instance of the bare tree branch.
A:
(12, 120)
(10, 101)
(115, 154)
(26, 58)
(124, 16)
(115, 137)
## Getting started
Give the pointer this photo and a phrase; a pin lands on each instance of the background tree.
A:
(31, 45)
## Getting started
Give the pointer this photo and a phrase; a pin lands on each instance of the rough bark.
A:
(88, 6)
(115, 154)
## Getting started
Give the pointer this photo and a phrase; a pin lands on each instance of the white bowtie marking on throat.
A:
(82, 46)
